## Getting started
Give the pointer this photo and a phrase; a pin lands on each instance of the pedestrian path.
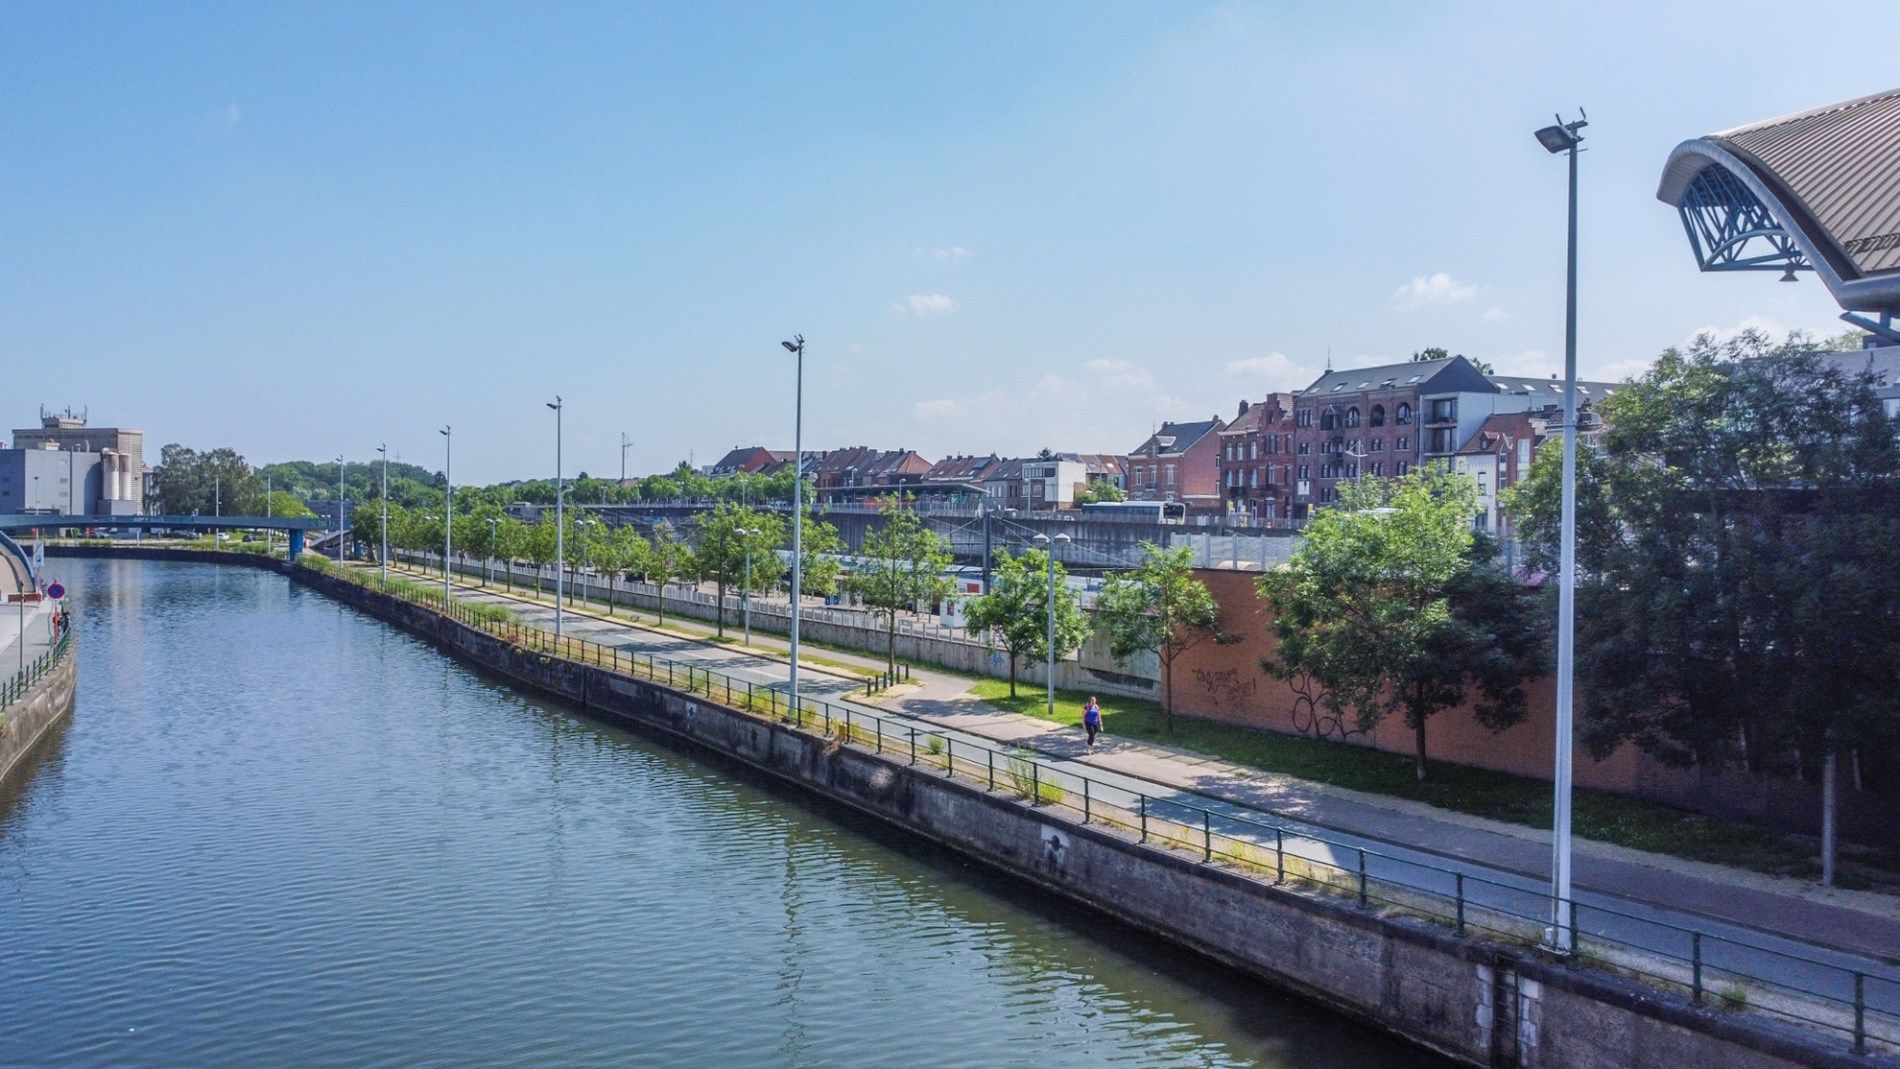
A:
(35, 621)
(1790, 936)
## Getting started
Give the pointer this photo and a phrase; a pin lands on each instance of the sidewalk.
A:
(1856, 922)
(37, 643)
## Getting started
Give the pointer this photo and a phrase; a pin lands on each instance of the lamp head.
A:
(445, 431)
(556, 403)
(1041, 539)
(1563, 137)
(796, 345)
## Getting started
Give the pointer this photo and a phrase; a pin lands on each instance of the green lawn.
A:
(1605, 817)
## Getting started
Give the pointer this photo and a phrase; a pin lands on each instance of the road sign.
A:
(39, 558)
(56, 591)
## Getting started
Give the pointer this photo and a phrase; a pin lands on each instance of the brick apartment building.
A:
(1179, 462)
(1256, 461)
(1381, 421)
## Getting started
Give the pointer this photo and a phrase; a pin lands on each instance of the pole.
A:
(339, 511)
(384, 555)
(560, 520)
(798, 497)
(1562, 937)
(488, 566)
(448, 508)
(746, 602)
(1049, 673)
(986, 547)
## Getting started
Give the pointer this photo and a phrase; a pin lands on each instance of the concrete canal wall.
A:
(1480, 1003)
(27, 720)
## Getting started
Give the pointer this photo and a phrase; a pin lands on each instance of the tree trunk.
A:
(1418, 731)
(890, 644)
(1012, 673)
(1830, 784)
(1167, 691)
(720, 612)
(660, 590)
(1418, 734)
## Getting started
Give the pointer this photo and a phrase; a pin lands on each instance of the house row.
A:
(1274, 462)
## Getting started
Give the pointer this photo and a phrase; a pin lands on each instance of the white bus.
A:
(1150, 511)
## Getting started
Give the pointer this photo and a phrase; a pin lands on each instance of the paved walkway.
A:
(1795, 932)
(36, 619)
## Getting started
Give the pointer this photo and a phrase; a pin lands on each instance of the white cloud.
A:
(1276, 370)
(1122, 375)
(1494, 314)
(925, 305)
(1439, 288)
(1773, 328)
(937, 409)
(955, 254)
(1538, 364)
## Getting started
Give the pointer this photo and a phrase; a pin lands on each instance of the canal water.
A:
(278, 832)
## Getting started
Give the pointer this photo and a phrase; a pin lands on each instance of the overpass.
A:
(296, 526)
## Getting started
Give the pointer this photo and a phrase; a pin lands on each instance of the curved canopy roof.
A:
(1819, 190)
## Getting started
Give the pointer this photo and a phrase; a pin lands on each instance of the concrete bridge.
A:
(17, 523)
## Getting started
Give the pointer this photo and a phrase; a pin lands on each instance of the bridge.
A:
(296, 526)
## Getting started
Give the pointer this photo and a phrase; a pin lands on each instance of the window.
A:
(1306, 472)
(1303, 418)
(1378, 445)
(1403, 415)
(1328, 421)
(1253, 450)
(1376, 418)
(1444, 410)
(1442, 440)
(1378, 467)
(1352, 417)
(1170, 472)
(1402, 443)
(1524, 452)
(1400, 468)
(1253, 477)
(1352, 469)
(1306, 449)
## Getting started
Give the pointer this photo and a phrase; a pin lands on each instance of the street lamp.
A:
(384, 554)
(797, 348)
(448, 509)
(580, 579)
(340, 527)
(560, 524)
(745, 592)
(1049, 548)
(1564, 138)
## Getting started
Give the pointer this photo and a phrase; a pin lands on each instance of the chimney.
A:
(1243, 408)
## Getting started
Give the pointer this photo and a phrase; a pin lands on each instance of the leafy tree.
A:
(666, 559)
(1017, 607)
(188, 483)
(819, 549)
(723, 551)
(1392, 604)
(283, 503)
(1439, 352)
(901, 565)
(1732, 603)
(1097, 491)
(1158, 607)
(511, 543)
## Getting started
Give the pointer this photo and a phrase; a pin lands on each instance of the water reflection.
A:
(276, 830)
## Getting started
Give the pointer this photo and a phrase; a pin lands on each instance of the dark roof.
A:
(1450, 375)
(1499, 428)
(1552, 389)
(1176, 438)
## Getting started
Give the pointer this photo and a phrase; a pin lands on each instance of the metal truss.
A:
(1731, 230)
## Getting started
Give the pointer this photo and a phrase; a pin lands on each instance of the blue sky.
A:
(300, 229)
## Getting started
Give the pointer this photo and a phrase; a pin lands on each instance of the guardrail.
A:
(23, 679)
(1859, 1005)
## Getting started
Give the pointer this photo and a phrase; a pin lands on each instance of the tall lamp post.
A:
(448, 508)
(383, 554)
(341, 528)
(560, 517)
(1049, 673)
(1564, 138)
(797, 348)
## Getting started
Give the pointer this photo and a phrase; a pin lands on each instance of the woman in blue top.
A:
(1092, 720)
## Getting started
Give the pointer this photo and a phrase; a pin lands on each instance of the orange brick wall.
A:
(1226, 683)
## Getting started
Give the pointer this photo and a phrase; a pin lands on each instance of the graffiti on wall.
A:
(1310, 714)
(1227, 687)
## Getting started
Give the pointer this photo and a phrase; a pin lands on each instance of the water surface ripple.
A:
(278, 832)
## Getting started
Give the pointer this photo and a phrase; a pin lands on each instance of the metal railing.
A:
(1861, 1005)
(23, 679)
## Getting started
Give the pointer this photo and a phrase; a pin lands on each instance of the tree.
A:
(819, 550)
(1017, 607)
(1160, 608)
(666, 559)
(1392, 604)
(1439, 352)
(1096, 491)
(901, 565)
(188, 483)
(285, 504)
(724, 553)
(511, 541)
(1732, 607)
